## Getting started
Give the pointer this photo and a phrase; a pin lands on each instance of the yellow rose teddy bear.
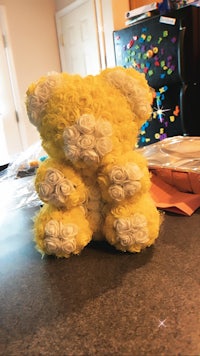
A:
(94, 184)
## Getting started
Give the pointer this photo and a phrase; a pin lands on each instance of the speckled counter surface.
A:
(102, 302)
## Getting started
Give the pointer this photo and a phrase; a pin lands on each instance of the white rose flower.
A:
(33, 117)
(103, 128)
(90, 156)
(141, 236)
(62, 190)
(71, 135)
(45, 191)
(134, 172)
(116, 192)
(132, 230)
(52, 228)
(86, 142)
(42, 91)
(125, 239)
(86, 123)
(131, 188)
(68, 246)
(103, 146)
(72, 152)
(34, 106)
(122, 225)
(139, 220)
(118, 175)
(53, 176)
(68, 231)
(52, 246)
(52, 79)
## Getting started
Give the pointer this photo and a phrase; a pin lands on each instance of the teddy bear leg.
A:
(133, 226)
(60, 232)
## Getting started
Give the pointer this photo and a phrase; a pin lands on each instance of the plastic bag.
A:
(17, 189)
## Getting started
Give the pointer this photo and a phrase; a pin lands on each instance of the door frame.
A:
(104, 27)
(12, 75)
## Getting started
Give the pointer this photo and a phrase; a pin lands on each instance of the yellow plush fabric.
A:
(93, 179)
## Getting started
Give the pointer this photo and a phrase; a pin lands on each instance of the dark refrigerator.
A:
(166, 48)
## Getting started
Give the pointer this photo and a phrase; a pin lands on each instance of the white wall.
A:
(33, 40)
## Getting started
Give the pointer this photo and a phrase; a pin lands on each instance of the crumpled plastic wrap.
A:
(177, 161)
(17, 189)
(18, 193)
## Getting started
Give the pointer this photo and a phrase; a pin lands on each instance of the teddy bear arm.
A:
(60, 185)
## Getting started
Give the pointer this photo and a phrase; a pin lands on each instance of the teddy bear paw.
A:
(131, 230)
(59, 191)
(61, 233)
(60, 239)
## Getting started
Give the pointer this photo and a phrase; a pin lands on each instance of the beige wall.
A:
(60, 4)
(33, 40)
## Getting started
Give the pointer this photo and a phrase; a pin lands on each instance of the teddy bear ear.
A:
(133, 85)
(37, 97)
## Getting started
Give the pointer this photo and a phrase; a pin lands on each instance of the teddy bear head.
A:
(83, 119)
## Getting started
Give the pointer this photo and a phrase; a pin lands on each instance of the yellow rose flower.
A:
(120, 211)
(103, 128)
(77, 198)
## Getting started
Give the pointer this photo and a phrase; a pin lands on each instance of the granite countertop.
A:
(102, 302)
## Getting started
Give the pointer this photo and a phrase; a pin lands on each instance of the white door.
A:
(78, 38)
(10, 141)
